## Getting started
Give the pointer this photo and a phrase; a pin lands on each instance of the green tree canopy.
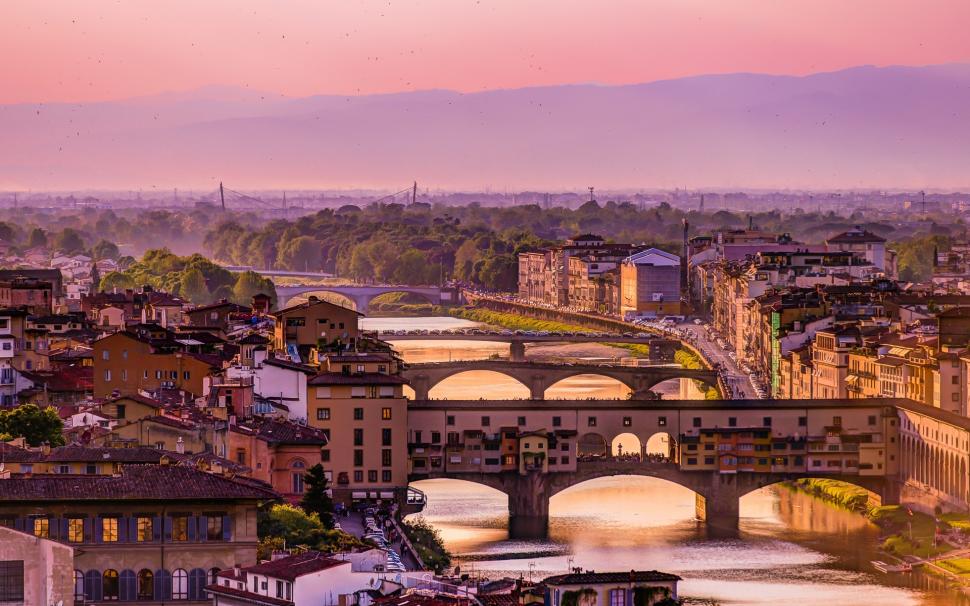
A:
(68, 241)
(104, 250)
(37, 426)
(37, 237)
(193, 287)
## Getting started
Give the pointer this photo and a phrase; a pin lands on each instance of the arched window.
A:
(109, 584)
(92, 585)
(146, 585)
(78, 586)
(298, 464)
(180, 584)
(128, 586)
(213, 572)
(197, 584)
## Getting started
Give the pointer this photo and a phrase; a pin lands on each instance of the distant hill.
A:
(890, 127)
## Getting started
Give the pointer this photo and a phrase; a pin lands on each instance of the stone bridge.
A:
(361, 296)
(717, 496)
(903, 451)
(539, 377)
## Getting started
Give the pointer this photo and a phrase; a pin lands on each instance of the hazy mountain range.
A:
(891, 127)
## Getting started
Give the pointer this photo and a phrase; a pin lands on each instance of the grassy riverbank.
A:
(428, 543)
(910, 532)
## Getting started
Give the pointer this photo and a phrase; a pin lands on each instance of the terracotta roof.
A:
(91, 454)
(282, 432)
(590, 578)
(247, 596)
(363, 378)
(135, 482)
(220, 304)
(253, 339)
(15, 454)
(290, 365)
(291, 567)
(359, 357)
(279, 313)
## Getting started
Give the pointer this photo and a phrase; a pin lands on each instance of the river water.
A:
(790, 547)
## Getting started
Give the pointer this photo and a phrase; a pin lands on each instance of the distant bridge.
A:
(538, 377)
(361, 296)
(278, 273)
(517, 341)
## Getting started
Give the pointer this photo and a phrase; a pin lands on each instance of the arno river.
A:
(791, 548)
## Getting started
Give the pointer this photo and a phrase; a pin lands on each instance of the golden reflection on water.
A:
(791, 548)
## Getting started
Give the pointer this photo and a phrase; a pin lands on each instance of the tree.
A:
(193, 287)
(36, 426)
(105, 250)
(299, 254)
(250, 283)
(315, 498)
(294, 525)
(69, 241)
(36, 238)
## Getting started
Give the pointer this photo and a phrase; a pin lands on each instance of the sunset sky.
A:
(60, 50)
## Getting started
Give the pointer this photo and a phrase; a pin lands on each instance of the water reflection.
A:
(791, 547)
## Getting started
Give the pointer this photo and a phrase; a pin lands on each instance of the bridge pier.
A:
(517, 351)
(421, 386)
(528, 506)
(537, 387)
(718, 504)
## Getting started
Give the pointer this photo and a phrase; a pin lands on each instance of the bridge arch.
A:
(502, 380)
(592, 445)
(626, 444)
(588, 385)
(326, 295)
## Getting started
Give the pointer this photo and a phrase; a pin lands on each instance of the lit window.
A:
(146, 531)
(109, 530)
(75, 530)
(42, 528)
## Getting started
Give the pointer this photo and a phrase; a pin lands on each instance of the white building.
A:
(308, 579)
(589, 588)
(280, 381)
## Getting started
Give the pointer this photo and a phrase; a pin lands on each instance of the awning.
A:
(358, 495)
(387, 494)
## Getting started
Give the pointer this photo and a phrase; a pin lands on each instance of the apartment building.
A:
(363, 414)
(148, 533)
(150, 358)
(650, 284)
(314, 324)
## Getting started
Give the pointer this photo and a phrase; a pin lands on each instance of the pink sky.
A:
(61, 50)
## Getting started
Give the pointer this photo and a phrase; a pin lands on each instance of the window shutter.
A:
(20, 524)
(133, 529)
(203, 528)
(157, 529)
(98, 530)
(163, 585)
(126, 585)
(88, 526)
(193, 536)
(92, 585)
(64, 526)
(226, 528)
(123, 530)
(168, 529)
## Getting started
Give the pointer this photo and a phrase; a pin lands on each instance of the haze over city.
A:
(485, 303)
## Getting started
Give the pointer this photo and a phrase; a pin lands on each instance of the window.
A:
(802, 421)
(557, 421)
(386, 414)
(591, 421)
(105, 355)
(386, 457)
(697, 422)
(358, 414)
(180, 584)
(732, 421)
(279, 589)
(180, 529)
(372, 475)
(323, 393)
(144, 529)
(386, 436)
(358, 392)
(358, 476)
(323, 414)
(627, 421)
(213, 531)
(450, 420)
(766, 421)
(107, 375)
(358, 436)
(298, 483)
(521, 421)
(486, 421)
(146, 585)
(837, 421)
(617, 597)
(872, 419)
(358, 458)
(42, 528)
(661, 421)
(435, 437)
(386, 475)
(109, 530)
(109, 584)
(12, 581)
(78, 587)
(75, 530)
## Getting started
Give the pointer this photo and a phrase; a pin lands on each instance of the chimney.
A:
(236, 571)
(180, 446)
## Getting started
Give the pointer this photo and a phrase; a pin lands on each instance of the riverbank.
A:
(908, 532)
